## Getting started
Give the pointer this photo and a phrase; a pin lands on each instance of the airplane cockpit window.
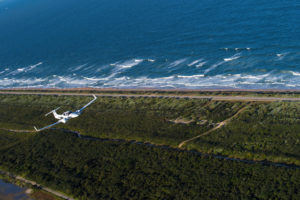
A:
(67, 113)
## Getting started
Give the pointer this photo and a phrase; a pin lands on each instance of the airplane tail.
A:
(54, 112)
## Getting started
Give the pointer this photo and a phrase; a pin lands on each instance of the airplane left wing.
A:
(81, 109)
(49, 126)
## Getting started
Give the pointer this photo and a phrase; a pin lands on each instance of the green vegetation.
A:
(142, 119)
(90, 169)
(263, 131)
(125, 169)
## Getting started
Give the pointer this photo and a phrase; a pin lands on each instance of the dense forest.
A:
(106, 169)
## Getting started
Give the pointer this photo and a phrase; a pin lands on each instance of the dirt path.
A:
(221, 124)
(215, 98)
(18, 131)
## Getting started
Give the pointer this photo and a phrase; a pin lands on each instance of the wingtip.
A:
(35, 129)
(94, 96)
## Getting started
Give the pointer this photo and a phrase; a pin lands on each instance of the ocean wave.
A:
(234, 57)
(236, 49)
(26, 69)
(201, 64)
(177, 62)
(191, 76)
(95, 79)
(195, 62)
(11, 82)
(127, 64)
(194, 81)
(5, 70)
(79, 67)
(150, 60)
(295, 73)
(214, 66)
(281, 56)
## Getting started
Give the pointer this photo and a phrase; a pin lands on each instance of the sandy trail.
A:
(220, 125)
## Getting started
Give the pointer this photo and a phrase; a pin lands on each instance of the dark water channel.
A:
(10, 191)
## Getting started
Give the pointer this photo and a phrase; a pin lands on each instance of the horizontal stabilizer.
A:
(52, 111)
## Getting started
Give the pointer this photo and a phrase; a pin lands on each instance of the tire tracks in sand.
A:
(220, 125)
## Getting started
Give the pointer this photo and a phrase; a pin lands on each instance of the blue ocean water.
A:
(150, 44)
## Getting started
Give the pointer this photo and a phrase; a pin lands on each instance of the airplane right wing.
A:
(49, 126)
(81, 109)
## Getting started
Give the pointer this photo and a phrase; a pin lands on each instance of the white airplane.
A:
(63, 118)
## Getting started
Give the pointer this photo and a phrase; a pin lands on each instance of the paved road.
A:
(215, 98)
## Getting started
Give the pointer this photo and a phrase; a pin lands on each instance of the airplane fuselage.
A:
(63, 118)
(67, 115)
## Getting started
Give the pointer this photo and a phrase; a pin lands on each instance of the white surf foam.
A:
(127, 64)
(234, 57)
(295, 73)
(150, 60)
(195, 62)
(281, 56)
(214, 66)
(94, 78)
(11, 82)
(5, 70)
(34, 66)
(192, 76)
(26, 69)
(177, 62)
(201, 64)
(79, 67)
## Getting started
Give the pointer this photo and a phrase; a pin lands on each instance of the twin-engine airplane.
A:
(63, 118)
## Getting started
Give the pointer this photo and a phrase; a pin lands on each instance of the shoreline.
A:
(31, 183)
(152, 89)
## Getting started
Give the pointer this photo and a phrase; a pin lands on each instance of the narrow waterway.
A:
(265, 162)
(10, 191)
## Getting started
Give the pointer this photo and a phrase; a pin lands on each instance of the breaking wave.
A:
(196, 81)
(232, 58)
